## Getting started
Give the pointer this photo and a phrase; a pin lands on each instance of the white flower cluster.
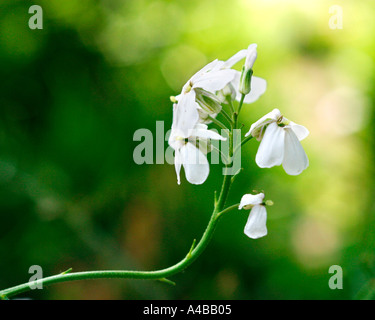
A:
(198, 104)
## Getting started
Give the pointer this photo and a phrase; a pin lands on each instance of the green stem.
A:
(217, 122)
(248, 138)
(160, 275)
(235, 118)
(235, 206)
(230, 103)
(241, 103)
(226, 116)
(224, 157)
(245, 140)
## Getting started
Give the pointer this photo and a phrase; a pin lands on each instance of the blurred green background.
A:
(73, 94)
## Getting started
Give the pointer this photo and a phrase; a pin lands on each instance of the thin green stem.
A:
(167, 281)
(245, 140)
(230, 103)
(67, 271)
(241, 103)
(217, 122)
(224, 157)
(191, 248)
(226, 116)
(227, 178)
(161, 275)
(236, 174)
(230, 208)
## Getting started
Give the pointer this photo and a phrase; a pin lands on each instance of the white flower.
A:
(256, 223)
(258, 85)
(280, 143)
(191, 149)
(210, 78)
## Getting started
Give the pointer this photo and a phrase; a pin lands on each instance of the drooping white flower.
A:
(280, 143)
(257, 85)
(256, 223)
(191, 149)
(210, 78)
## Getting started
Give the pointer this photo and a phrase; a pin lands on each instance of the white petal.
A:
(175, 118)
(215, 80)
(176, 140)
(300, 131)
(204, 145)
(176, 134)
(206, 134)
(251, 56)
(200, 131)
(235, 58)
(186, 114)
(269, 117)
(271, 150)
(195, 164)
(207, 68)
(258, 87)
(251, 200)
(295, 159)
(177, 164)
(201, 126)
(236, 82)
(218, 66)
(256, 223)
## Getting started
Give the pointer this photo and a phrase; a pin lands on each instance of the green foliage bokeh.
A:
(73, 94)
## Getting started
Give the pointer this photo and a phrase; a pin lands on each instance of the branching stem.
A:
(160, 275)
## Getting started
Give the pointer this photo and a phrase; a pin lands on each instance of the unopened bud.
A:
(209, 102)
(247, 69)
(245, 80)
(204, 117)
(251, 56)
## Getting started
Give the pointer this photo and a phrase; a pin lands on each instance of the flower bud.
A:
(247, 71)
(251, 56)
(245, 80)
(204, 117)
(209, 102)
